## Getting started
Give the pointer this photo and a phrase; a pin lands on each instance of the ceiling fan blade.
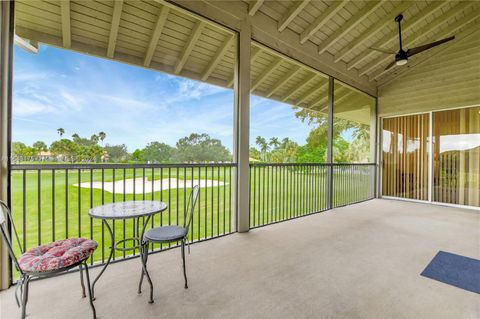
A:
(387, 51)
(413, 51)
(390, 65)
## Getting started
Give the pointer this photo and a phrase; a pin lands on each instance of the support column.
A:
(331, 84)
(379, 157)
(6, 52)
(242, 128)
(374, 148)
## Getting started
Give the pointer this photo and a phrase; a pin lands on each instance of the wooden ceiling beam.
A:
(447, 32)
(322, 20)
(291, 14)
(227, 43)
(345, 96)
(350, 25)
(283, 80)
(312, 91)
(372, 30)
(66, 24)
(393, 35)
(253, 6)
(122, 57)
(157, 31)
(297, 88)
(339, 94)
(112, 40)
(195, 34)
(270, 68)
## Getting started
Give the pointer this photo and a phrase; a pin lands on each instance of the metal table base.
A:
(139, 245)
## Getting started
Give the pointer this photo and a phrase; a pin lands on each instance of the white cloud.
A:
(195, 90)
(72, 100)
(27, 76)
(28, 107)
(124, 102)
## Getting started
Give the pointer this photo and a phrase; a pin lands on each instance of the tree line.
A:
(201, 148)
(195, 147)
(355, 148)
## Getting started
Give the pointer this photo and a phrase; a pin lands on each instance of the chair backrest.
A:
(6, 223)
(192, 201)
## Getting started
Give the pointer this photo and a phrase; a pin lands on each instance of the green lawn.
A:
(51, 207)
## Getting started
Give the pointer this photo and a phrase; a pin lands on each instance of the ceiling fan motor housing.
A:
(401, 55)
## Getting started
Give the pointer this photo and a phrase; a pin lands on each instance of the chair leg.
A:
(90, 297)
(25, 296)
(81, 281)
(184, 268)
(17, 288)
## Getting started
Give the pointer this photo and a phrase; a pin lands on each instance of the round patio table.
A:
(136, 210)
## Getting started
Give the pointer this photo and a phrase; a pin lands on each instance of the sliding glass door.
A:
(454, 138)
(405, 157)
(456, 154)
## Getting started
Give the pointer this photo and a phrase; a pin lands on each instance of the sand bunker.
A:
(137, 185)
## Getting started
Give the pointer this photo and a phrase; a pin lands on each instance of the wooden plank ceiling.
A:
(348, 29)
(161, 36)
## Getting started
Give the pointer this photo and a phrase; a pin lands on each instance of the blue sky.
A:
(134, 106)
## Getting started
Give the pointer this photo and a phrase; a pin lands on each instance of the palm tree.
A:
(60, 131)
(285, 142)
(94, 138)
(262, 143)
(274, 142)
(102, 136)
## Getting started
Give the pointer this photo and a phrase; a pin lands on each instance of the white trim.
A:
(26, 45)
(431, 203)
(434, 111)
(430, 156)
(379, 156)
(406, 114)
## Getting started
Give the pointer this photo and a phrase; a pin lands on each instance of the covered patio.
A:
(359, 261)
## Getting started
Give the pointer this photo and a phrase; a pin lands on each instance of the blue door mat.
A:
(459, 271)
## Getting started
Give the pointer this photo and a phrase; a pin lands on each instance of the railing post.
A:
(6, 52)
(242, 128)
(331, 84)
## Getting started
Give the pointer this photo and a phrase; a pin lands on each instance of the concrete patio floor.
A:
(360, 261)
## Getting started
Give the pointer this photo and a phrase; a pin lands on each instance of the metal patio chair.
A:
(46, 260)
(169, 234)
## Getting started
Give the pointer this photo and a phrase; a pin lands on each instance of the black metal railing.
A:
(284, 191)
(352, 183)
(51, 201)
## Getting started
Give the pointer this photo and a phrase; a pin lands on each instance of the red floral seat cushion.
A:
(57, 255)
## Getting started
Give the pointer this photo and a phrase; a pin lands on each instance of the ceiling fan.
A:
(401, 57)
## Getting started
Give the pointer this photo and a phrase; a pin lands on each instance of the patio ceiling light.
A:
(401, 62)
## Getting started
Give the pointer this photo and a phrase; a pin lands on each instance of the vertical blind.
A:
(456, 166)
(405, 156)
(456, 156)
